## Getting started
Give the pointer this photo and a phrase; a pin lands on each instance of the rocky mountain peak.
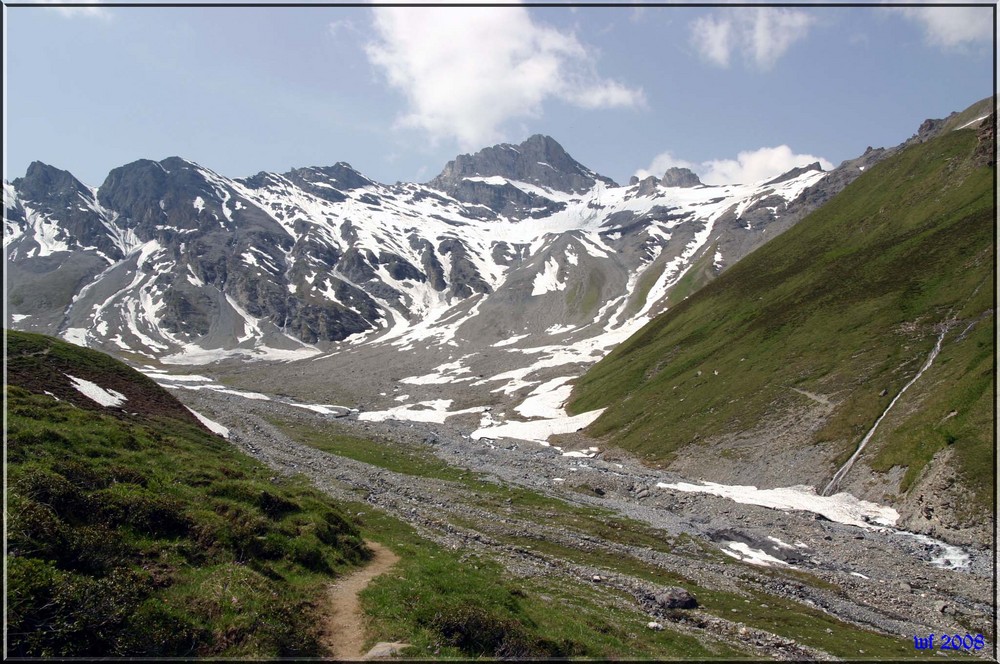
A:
(43, 182)
(539, 160)
(341, 176)
(171, 164)
(145, 192)
(680, 177)
(490, 178)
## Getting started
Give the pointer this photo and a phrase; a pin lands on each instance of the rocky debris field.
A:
(879, 580)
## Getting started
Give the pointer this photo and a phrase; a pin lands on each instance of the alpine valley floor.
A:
(775, 583)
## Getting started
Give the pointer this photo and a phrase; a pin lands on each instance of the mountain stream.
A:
(839, 475)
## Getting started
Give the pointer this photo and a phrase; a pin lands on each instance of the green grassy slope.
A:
(140, 534)
(981, 108)
(844, 304)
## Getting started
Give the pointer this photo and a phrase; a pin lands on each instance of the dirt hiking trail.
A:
(343, 632)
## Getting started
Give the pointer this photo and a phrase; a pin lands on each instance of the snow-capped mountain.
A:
(173, 261)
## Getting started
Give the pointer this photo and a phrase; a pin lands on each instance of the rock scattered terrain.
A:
(873, 579)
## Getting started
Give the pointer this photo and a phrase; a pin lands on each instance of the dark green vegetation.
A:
(846, 304)
(142, 534)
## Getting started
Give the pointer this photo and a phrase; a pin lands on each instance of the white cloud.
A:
(335, 28)
(711, 36)
(466, 71)
(747, 168)
(762, 164)
(661, 163)
(760, 34)
(70, 11)
(953, 27)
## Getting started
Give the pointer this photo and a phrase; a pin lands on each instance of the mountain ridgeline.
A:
(170, 259)
(773, 373)
(797, 308)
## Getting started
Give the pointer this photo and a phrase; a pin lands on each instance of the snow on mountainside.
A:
(171, 260)
(500, 280)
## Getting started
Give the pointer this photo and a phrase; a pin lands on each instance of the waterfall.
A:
(871, 432)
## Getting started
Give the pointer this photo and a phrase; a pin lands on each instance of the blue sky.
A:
(733, 92)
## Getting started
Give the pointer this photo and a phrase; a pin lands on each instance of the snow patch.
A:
(547, 281)
(95, 392)
(322, 409)
(211, 425)
(841, 507)
(510, 340)
(435, 410)
(547, 399)
(743, 552)
(538, 430)
(75, 335)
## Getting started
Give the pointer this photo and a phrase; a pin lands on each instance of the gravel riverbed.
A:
(876, 579)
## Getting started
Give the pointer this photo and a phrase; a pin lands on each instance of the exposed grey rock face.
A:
(680, 177)
(328, 183)
(647, 186)
(68, 202)
(538, 161)
(986, 150)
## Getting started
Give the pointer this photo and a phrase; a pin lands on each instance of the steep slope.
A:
(773, 373)
(132, 531)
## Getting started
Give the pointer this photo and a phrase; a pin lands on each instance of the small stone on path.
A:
(385, 649)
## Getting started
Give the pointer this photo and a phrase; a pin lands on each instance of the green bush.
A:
(477, 632)
(275, 506)
(160, 630)
(35, 530)
(140, 509)
(55, 491)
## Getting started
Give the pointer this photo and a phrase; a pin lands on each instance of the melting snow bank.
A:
(840, 507)
(423, 411)
(538, 430)
(196, 355)
(211, 425)
(184, 381)
(97, 393)
(743, 552)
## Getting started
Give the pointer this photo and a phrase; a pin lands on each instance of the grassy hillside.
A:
(980, 109)
(846, 304)
(135, 532)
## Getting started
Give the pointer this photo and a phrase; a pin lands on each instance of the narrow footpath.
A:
(343, 634)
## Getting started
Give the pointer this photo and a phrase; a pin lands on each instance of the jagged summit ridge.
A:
(169, 259)
(680, 177)
(539, 160)
(42, 180)
(535, 178)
